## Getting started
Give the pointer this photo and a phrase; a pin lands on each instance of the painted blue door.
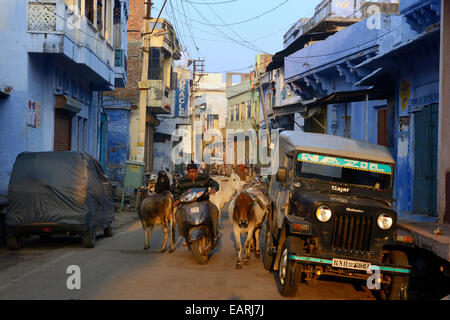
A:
(425, 160)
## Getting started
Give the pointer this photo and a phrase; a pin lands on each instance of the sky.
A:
(228, 34)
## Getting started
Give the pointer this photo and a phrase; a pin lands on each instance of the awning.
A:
(67, 103)
(289, 106)
(349, 96)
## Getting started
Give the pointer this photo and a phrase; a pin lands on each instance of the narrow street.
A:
(119, 268)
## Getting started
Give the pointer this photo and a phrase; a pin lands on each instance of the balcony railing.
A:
(49, 20)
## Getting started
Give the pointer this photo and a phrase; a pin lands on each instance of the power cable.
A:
(247, 20)
(229, 27)
(212, 2)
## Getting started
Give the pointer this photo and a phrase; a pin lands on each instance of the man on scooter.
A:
(194, 179)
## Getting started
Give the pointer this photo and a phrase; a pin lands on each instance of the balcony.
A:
(164, 37)
(159, 99)
(54, 29)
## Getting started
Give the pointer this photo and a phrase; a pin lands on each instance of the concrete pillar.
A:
(443, 194)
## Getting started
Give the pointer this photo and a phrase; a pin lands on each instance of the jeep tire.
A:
(289, 273)
(399, 285)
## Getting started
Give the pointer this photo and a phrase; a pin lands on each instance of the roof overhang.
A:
(308, 107)
(297, 44)
(335, 145)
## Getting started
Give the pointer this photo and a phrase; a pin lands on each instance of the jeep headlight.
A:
(323, 213)
(384, 221)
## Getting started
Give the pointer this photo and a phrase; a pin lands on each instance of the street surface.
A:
(119, 268)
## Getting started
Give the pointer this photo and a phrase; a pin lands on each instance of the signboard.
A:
(405, 90)
(346, 163)
(33, 114)
(181, 98)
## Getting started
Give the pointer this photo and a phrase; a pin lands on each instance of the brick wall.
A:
(134, 54)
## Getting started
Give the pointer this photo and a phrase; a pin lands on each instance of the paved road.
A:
(119, 268)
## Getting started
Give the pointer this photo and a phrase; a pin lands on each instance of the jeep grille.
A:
(351, 232)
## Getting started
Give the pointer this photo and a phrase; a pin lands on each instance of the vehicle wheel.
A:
(89, 238)
(108, 231)
(397, 289)
(289, 273)
(200, 250)
(14, 243)
(268, 244)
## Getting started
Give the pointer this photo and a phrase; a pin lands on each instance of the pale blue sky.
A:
(216, 44)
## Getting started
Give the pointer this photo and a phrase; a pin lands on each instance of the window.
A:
(213, 121)
(249, 110)
(236, 115)
(154, 68)
(89, 9)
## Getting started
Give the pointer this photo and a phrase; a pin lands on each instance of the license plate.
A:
(195, 210)
(350, 264)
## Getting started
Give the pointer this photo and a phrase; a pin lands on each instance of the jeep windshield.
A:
(340, 170)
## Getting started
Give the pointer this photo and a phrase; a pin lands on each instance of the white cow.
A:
(227, 187)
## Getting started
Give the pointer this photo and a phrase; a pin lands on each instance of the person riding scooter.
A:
(192, 180)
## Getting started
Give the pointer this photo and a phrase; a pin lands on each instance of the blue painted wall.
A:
(118, 143)
(314, 70)
(36, 77)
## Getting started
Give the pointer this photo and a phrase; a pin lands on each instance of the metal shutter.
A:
(63, 131)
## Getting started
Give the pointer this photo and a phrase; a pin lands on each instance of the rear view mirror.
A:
(281, 174)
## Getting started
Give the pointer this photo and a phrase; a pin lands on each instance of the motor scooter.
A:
(198, 225)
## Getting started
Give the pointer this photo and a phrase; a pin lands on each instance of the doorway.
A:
(425, 160)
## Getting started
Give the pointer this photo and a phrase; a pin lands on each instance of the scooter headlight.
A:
(385, 221)
(323, 213)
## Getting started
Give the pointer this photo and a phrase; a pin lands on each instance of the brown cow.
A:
(157, 209)
(248, 211)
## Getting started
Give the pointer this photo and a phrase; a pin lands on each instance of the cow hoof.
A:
(246, 262)
(258, 254)
(238, 266)
(171, 251)
(146, 248)
(162, 250)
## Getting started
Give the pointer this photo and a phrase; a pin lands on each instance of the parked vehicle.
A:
(331, 214)
(198, 226)
(62, 192)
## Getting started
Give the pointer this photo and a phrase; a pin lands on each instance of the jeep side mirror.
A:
(281, 174)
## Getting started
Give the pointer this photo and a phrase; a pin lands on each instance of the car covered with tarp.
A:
(61, 192)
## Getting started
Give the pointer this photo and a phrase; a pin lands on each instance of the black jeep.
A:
(331, 214)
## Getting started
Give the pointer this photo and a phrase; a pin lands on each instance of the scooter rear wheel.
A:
(200, 249)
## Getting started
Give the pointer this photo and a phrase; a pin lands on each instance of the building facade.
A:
(378, 80)
(58, 58)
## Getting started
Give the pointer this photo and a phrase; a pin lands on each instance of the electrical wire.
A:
(212, 2)
(229, 27)
(189, 28)
(247, 20)
(220, 31)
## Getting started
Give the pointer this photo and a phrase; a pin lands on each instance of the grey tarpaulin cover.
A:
(62, 187)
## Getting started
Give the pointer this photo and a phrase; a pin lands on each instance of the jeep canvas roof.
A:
(335, 145)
